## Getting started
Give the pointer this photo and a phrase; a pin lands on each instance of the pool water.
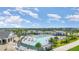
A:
(44, 40)
(29, 43)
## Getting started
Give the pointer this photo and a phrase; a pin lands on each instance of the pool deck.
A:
(67, 47)
(7, 47)
(35, 39)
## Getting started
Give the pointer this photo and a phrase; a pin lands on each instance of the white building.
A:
(6, 36)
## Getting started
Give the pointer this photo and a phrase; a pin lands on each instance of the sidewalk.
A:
(66, 47)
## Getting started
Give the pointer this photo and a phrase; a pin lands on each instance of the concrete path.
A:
(68, 46)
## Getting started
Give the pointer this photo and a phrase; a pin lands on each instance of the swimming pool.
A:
(43, 39)
(29, 42)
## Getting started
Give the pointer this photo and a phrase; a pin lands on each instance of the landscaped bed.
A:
(76, 48)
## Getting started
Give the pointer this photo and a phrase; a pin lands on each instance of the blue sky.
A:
(39, 17)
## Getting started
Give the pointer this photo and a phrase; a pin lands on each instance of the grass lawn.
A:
(74, 48)
(64, 43)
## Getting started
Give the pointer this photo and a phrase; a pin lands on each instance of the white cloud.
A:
(73, 17)
(16, 25)
(1, 23)
(6, 13)
(27, 21)
(27, 12)
(13, 19)
(1, 18)
(34, 15)
(9, 20)
(75, 8)
(36, 9)
(54, 16)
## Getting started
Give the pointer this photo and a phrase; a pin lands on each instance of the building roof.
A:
(4, 34)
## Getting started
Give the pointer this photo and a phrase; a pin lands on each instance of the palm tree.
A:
(38, 45)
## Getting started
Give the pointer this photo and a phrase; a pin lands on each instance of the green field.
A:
(76, 48)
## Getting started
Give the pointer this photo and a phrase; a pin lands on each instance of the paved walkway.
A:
(10, 46)
(68, 46)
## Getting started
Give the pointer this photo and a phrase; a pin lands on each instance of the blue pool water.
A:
(44, 40)
(27, 43)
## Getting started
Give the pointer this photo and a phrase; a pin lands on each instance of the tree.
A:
(51, 40)
(67, 40)
(54, 41)
(62, 41)
(56, 38)
(19, 32)
(73, 37)
(38, 45)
